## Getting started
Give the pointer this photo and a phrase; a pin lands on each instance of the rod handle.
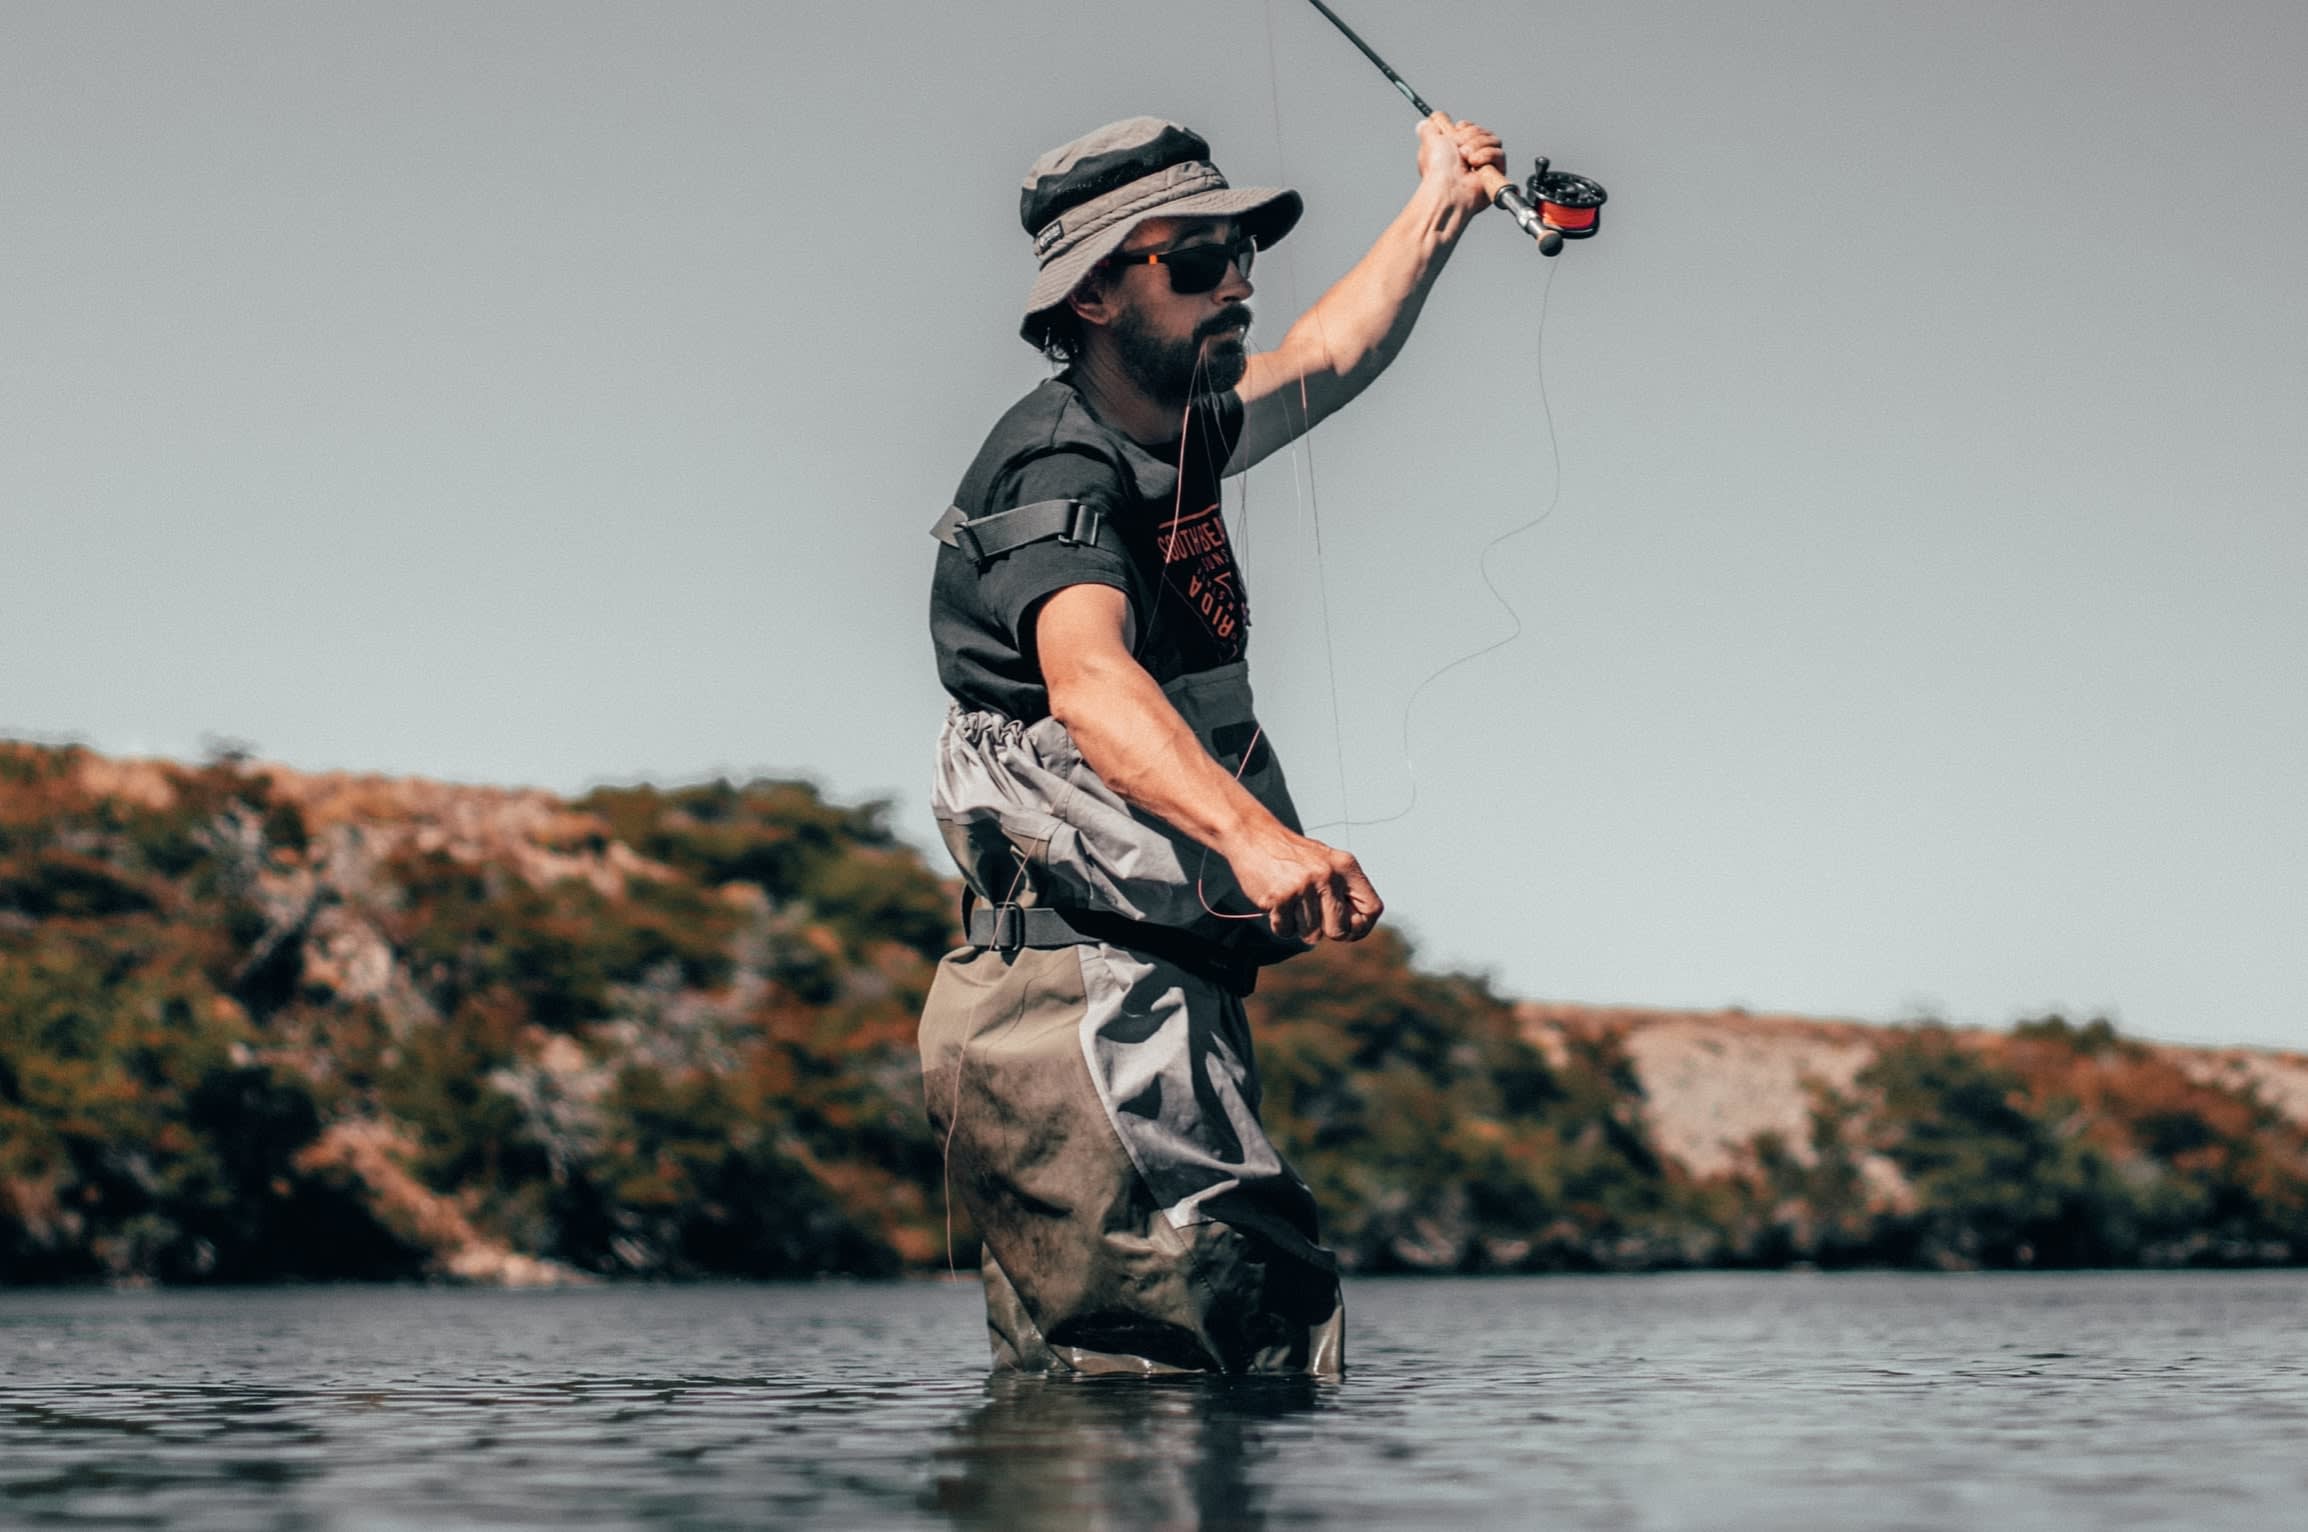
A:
(1508, 197)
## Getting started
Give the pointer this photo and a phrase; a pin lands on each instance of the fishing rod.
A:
(1554, 205)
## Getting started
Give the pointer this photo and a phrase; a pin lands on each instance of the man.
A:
(1127, 843)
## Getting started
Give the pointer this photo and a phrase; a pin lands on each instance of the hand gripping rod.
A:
(1503, 192)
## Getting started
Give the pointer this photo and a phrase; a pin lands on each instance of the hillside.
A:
(258, 1024)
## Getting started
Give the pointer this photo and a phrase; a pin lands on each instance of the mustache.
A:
(1227, 318)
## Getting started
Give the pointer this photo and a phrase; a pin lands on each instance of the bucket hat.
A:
(1081, 200)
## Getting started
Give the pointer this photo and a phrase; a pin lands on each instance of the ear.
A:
(1090, 300)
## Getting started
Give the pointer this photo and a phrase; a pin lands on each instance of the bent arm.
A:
(1135, 740)
(1340, 345)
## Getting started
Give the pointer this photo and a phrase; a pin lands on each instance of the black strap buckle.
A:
(1009, 929)
(1083, 525)
(966, 539)
(984, 538)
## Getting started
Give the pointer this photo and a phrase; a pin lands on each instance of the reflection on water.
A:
(2030, 1404)
(1166, 1452)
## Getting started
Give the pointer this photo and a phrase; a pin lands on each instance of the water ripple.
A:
(1685, 1402)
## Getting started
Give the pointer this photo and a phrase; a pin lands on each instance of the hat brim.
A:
(1265, 213)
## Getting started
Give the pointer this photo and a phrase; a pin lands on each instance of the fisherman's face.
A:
(1177, 345)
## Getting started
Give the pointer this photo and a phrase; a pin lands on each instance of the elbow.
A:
(1358, 367)
(1085, 703)
(1074, 702)
(1069, 701)
(1377, 357)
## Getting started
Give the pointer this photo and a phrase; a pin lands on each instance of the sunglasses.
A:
(1194, 268)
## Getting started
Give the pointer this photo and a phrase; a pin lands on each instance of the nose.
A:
(1235, 287)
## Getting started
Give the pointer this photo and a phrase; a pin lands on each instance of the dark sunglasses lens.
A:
(1199, 268)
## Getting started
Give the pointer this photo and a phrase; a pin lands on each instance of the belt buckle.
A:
(1009, 928)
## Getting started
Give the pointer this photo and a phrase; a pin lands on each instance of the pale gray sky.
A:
(557, 392)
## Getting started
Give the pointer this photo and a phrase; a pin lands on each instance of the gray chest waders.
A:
(1051, 855)
(1087, 1058)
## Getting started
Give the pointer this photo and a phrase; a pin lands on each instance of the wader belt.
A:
(1005, 928)
(989, 537)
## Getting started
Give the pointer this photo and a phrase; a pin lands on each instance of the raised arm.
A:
(1138, 745)
(1356, 328)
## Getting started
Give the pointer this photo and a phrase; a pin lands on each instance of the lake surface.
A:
(1703, 1401)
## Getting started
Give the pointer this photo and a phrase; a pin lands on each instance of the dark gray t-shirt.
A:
(1174, 561)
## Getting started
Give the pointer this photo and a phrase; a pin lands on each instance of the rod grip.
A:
(1508, 197)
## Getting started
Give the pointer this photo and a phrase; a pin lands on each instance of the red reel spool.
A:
(1571, 205)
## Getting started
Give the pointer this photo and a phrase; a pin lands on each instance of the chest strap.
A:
(1005, 928)
(989, 537)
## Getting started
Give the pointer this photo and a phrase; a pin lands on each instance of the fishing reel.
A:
(1571, 205)
(1554, 205)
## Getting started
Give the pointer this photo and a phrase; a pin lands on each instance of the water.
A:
(1713, 1401)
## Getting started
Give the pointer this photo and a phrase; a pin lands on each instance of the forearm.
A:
(1339, 346)
(1359, 326)
(1137, 743)
(1135, 740)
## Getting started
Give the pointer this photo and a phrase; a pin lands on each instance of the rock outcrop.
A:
(1715, 1081)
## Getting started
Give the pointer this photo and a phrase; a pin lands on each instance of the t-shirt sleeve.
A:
(1014, 583)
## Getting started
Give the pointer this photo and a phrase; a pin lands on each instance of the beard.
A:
(1175, 371)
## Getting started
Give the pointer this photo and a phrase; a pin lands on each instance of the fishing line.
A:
(1308, 497)
(1482, 567)
(961, 1062)
(1303, 491)
(1195, 395)
(954, 1112)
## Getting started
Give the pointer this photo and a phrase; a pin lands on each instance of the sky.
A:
(1900, 509)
